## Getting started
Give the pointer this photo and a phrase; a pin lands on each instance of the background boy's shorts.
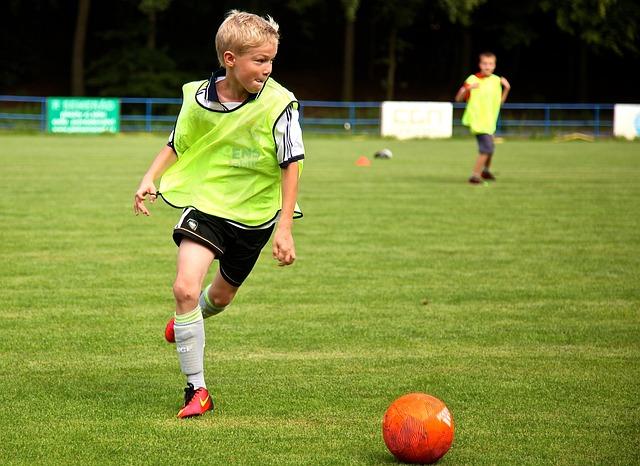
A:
(237, 249)
(485, 143)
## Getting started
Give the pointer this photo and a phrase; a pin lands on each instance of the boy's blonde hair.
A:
(241, 31)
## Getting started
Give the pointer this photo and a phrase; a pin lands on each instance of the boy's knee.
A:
(184, 291)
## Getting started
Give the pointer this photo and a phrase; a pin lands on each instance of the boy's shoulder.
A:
(192, 89)
(472, 78)
(195, 84)
(478, 78)
(276, 87)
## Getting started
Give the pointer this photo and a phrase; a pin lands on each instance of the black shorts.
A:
(485, 143)
(236, 248)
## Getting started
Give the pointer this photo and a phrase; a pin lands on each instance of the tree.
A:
(77, 55)
(350, 8)
(602, 25)
(131, 66)
(130, 70)
(459, 12)
(151, 8)
(395, 15)
(400, 14)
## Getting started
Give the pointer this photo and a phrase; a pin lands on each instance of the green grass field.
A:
(517, 303)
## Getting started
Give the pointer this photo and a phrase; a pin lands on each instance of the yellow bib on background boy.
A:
(485, 93)
(483, 106)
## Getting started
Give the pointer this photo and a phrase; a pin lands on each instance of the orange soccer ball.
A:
(418, 428)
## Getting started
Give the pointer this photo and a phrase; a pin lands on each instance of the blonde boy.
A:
(232, 163)
(485, 92)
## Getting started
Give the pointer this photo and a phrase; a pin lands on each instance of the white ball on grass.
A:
(383, 154)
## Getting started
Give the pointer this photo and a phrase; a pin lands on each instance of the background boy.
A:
(484, 92)
(232, 164)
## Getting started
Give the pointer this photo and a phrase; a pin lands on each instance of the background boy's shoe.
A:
(487, 175)
(475, 180)
(196, 402)
(169, 333)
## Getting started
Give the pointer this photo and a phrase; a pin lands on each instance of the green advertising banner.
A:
(83, 115)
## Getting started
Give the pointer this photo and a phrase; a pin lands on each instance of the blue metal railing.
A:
(595, 123)
(343, 117)
(159, 114)
(40, 117)
(148, 121)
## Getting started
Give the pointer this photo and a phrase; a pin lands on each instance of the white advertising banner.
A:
(626, 120)
(406, 120)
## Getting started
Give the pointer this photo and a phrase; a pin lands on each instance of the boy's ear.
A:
(229, 58)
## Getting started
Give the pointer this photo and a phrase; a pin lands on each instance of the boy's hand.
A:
(505, 83)
(473, 86)
(284, 251)
(146, 188)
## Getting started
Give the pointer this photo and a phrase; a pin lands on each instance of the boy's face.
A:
(487, 65)
(252, 68)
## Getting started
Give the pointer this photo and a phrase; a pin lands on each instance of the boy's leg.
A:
(193, 264)
(489, 148)
(235, 266)
(486, 173)
(481, 162)
(194, 261)
(217, 296)
(213, 300)
(478, 169)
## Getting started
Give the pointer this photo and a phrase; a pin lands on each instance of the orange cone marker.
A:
(363, 161)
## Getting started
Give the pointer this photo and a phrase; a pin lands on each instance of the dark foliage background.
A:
(581, 50)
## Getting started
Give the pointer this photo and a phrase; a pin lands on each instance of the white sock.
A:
(189, 332)
(197, 380)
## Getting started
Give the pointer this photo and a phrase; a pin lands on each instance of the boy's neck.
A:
(230, 90)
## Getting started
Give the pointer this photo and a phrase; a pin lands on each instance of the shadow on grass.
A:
(384, 458)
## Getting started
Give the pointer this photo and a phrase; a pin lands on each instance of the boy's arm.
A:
(506, 87)
(165, 158)
(465, 90)
(284, 250)
(462, 93)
